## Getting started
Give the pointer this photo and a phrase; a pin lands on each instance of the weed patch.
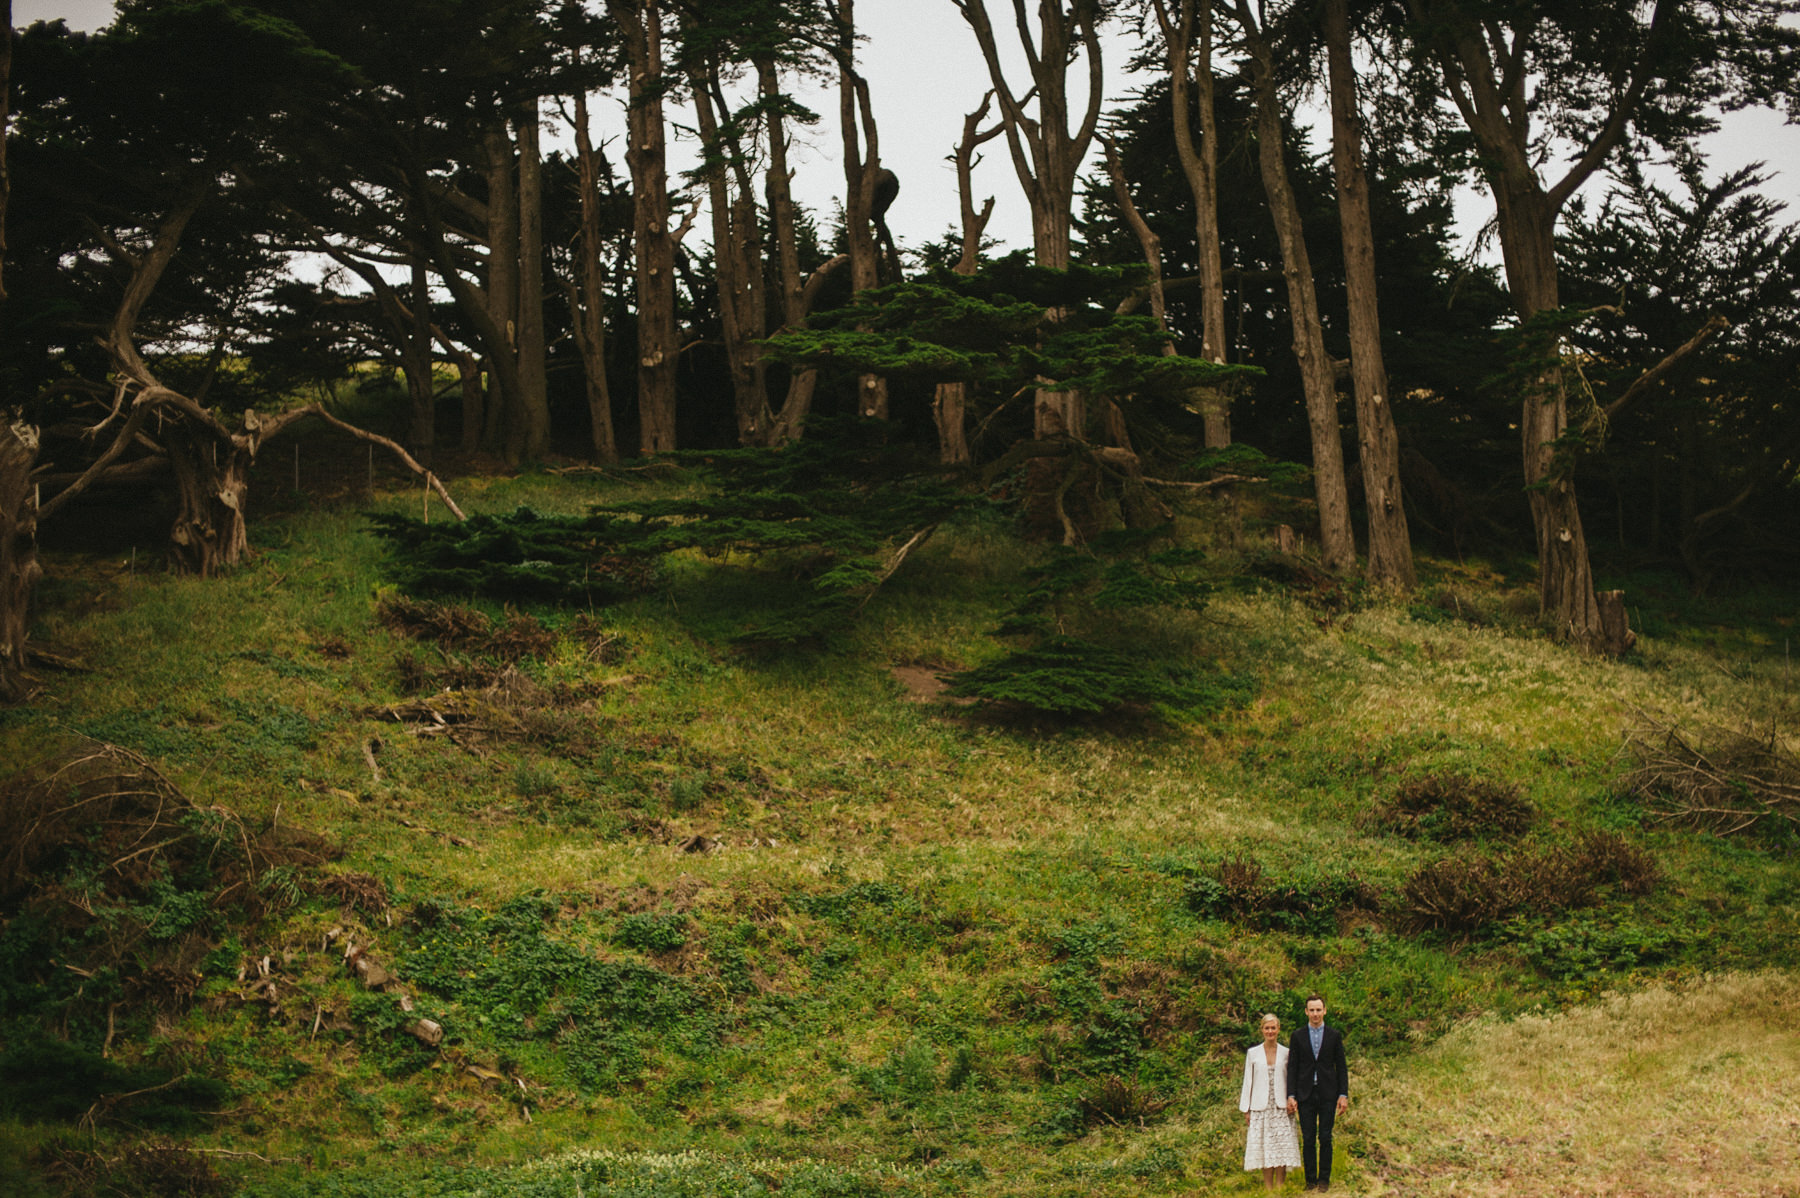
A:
(505, 980)
(1306, 903)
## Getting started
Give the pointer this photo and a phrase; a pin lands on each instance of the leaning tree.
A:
(1550, 93)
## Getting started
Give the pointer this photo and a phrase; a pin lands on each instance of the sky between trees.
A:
(925, 73)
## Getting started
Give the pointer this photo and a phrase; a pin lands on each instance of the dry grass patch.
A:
(1671, 1090)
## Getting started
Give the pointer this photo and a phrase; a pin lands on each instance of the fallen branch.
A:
(1224, 480)
(363, 434)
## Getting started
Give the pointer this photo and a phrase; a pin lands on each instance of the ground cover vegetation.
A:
(461, 894)
(981, 698)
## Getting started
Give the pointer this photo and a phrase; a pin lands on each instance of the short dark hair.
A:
(1314, 998)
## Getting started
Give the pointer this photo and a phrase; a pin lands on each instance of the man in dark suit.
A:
(1318, 1086)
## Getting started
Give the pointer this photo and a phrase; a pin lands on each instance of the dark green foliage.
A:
(1068, 677)
(504, 977)
(1083, 655)
(834, 511)
(1122, 570)
(651, 933)
(1009, 326)
(1588, 946)
(1308, 903)
(523, 557)
(49, 1080)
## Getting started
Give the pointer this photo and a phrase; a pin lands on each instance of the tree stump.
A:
(19, 569)
(1615, 637)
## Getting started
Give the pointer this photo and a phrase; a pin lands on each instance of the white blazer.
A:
(1256, 1078)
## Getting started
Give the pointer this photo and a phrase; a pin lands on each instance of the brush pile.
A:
(1723, 780)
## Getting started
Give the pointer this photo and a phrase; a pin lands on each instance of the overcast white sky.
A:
(925, 72)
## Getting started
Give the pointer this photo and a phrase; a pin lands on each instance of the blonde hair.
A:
(1268, 1015)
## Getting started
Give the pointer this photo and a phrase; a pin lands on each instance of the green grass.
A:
(923, 941)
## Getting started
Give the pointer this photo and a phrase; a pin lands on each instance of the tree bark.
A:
(1483, 68)
(640, 21)
(1046, 154)
(502, 282)
(949, 404)
(862, 166)
(787, 424)
(1337, 544)
(419, 367)
(589, 318)
(1390, 544)
(212, 485)
(6, 37)
(19, 569)
(737, 258)
(1336, 540)
(529, 435)
(1188, 34)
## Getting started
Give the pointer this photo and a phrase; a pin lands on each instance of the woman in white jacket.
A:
(1270, 1144)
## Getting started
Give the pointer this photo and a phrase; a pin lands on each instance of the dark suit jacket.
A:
(1334, 1074)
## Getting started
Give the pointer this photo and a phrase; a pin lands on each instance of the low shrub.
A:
(1464, 892)
(1309, 904)
(1449, 807)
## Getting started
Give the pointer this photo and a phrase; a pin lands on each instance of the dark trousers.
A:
(1318, 1111)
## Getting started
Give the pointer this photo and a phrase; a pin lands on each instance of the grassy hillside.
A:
(697, 921)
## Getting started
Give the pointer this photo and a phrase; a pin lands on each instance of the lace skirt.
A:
(1271, 1143)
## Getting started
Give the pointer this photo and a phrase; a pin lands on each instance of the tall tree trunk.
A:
(474, 398)
(6, 36)
(502, 278)
(417, 364)
(19, 569)
(653, 242)
(951, 400)
(1565, 576)
(1337, 543)
(589, 317)
(1188, 35)
(1046, 154)
(787, 424)
(862, 166)
(530, 435)
(1390, 546)
(737, 259)
(1482, 59)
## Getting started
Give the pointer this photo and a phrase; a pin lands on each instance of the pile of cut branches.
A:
(1721, 779)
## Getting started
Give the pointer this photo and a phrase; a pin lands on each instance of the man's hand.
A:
(1343, 1103)
(1293, 1107)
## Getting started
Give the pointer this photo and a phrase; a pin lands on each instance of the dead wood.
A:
(1724, 780)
